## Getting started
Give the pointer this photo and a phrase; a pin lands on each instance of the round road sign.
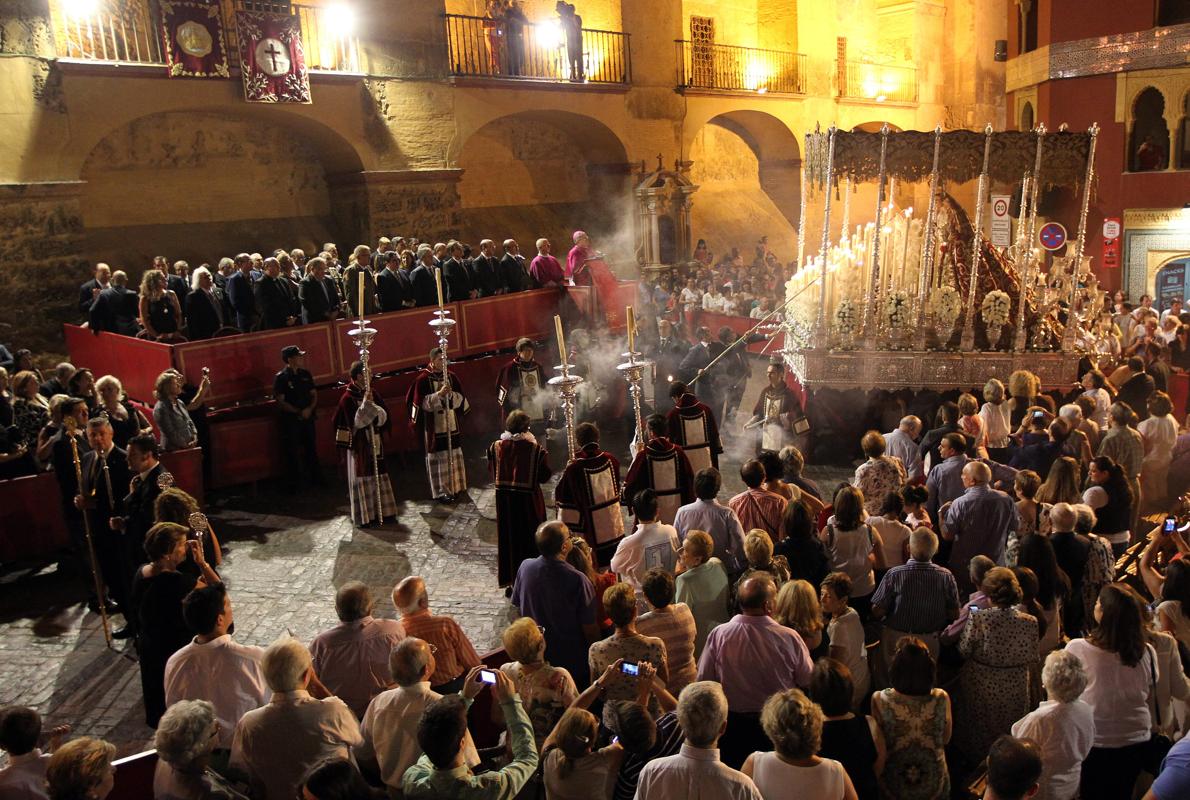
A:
(1052, 236)
(1111, 229)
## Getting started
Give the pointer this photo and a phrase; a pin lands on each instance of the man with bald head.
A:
(90, 290)
(454, 653)
(351, 659)
(902, 444)
(977, 522)
(390, 724)
(731, 654)
(561, 599)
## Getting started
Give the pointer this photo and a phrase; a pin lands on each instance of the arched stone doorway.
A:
(201, 185)
(747, 165)
(546, 174)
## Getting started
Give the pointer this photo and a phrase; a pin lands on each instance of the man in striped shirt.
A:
(918, 598)
(453, 652)
(755, 507)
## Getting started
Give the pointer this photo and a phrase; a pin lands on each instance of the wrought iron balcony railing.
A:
(129, 32)
(499, 48)
(740, 69)
(878, 82)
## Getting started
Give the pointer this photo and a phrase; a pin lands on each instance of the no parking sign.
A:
(1052, 236)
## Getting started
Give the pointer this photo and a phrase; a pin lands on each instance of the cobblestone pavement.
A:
(286, 554)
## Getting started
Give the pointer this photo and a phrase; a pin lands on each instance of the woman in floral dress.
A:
(914, 719)
(1000, 645)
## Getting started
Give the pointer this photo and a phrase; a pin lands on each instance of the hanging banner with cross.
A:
(272, 58)
(192, 31)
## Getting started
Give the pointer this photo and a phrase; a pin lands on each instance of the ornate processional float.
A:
(913, 301)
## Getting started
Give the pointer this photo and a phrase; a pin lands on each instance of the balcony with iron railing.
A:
(877, 83)
(729, 68)
(130, 32)
(481, 47)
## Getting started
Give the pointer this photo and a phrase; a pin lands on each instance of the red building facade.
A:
(1126, 67)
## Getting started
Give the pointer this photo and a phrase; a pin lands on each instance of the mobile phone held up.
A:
(1171, 524)
(629, 668)
(488, 676)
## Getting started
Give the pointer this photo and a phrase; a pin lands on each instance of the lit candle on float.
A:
(561, 339)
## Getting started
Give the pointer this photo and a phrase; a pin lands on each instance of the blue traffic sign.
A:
(1052, 236)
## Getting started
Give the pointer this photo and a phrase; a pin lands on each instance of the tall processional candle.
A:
(438, 282)
(360, 276)
(631, 329)
(561, 339)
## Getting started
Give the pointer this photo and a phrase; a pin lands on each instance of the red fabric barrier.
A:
(246, 440)
(134, 776)
(242, 367)
(1179, 392)
(136, 362)
(494, 323)
(31, 522)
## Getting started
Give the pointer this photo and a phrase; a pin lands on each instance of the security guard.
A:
(293, 389)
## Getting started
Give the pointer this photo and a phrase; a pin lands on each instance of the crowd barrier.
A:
(32, 524)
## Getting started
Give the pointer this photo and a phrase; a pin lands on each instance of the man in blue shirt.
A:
(1174, 780)
(559, 598)
(978, 522)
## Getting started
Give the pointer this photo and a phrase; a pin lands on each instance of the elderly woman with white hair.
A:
(995, 416)
(1063, 726)
(302, 725)
(126, 419)
(793, 723)
(186, 736)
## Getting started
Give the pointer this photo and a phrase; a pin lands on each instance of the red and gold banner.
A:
(192, 31)
(272, 58)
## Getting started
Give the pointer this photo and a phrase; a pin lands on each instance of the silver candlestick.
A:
(567, 386)
(363, 336)
(633, 371)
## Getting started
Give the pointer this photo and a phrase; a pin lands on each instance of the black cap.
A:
(291, 351)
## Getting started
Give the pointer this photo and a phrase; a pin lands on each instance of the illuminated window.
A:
(1148, 143)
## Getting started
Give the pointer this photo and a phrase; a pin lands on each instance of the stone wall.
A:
(41, 264)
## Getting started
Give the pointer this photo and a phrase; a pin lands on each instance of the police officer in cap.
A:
(293, 389)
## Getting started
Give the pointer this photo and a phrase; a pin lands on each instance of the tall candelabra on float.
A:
(363, 336)
(633, 371)
(567, 386)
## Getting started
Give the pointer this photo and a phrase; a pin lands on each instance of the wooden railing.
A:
(879, 82)
(129, 31)
(487, 48)
(740, 69)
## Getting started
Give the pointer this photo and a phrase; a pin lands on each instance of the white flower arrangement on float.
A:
(945, 306)
(846, 317)
(897, 311)
(995, 308)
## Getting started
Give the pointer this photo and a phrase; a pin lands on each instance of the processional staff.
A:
(363, 336)
(567, 386)
(100, 589)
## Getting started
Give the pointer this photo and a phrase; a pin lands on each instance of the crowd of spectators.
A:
(253, 291)
(953, 610)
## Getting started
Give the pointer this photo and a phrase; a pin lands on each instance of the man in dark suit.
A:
(273, 298)
(425, 289)
(204, 311)
(225, 270)
(317, 293)
(137, 514)
(454, 274)
(932, 439)
(90, 290)
(59, 382)
(101, 497)
(1137, 389)
(393, 286)
(116, 309)
(488, 278)
(698, 356)
(667, 355)
(512, 269)
(179, 281)
(240, 294)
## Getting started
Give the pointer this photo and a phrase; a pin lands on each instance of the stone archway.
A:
(747, 165)
(546, 174)
(209, 184)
